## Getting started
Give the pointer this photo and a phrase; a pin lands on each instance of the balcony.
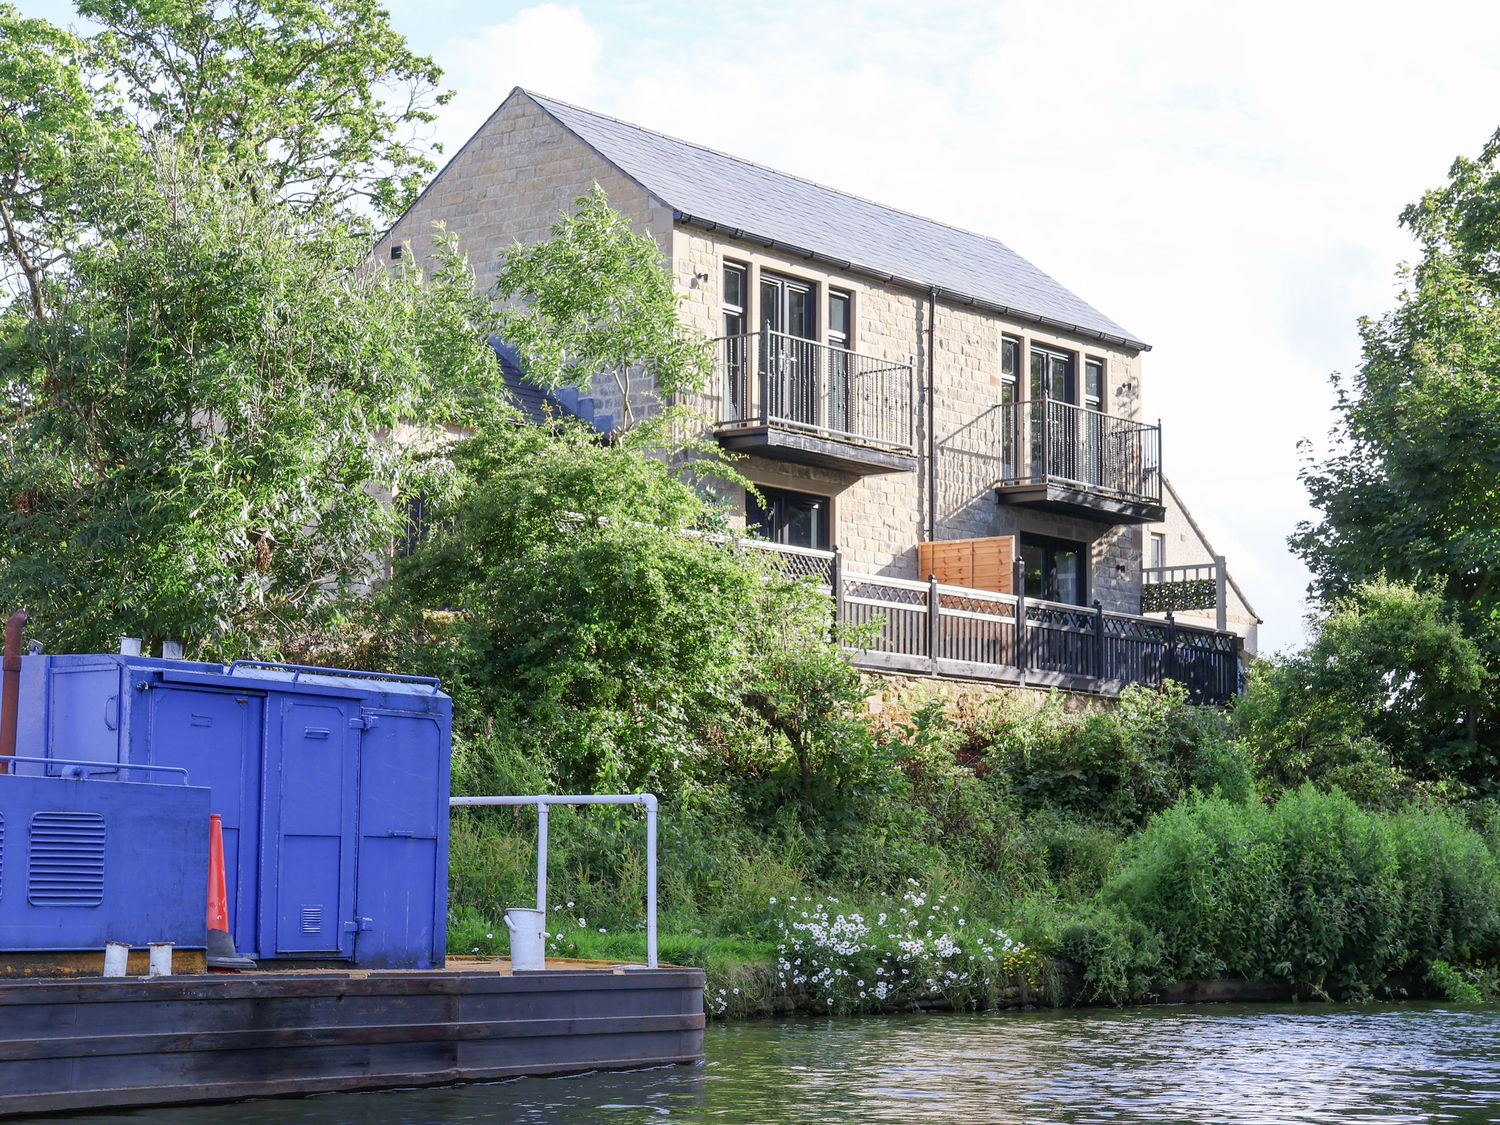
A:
(798, 400)
(1077, 461)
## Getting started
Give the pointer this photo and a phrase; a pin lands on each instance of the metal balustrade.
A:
(901, 625)
(1045, 442)
(778, 380)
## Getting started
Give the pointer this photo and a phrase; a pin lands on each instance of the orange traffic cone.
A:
(222, 956)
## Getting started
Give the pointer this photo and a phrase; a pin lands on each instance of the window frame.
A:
(1050, 544)
(727, 307)
(846, 338)
(760, 519)
(1095, 402)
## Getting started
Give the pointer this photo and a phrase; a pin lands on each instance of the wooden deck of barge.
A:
(126, 1042)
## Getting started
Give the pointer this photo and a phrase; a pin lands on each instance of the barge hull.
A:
(98, 1044)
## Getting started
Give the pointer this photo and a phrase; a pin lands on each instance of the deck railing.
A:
(1047, 442)
(777, 380)
(901, 625)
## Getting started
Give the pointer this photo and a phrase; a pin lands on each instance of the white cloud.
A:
(1222, 179)
(549, 47)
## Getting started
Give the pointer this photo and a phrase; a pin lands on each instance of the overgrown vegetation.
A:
(201, 378)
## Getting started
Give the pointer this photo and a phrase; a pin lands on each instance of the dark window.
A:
(417, 528)
(1052, 376)
(796, 519)
(396, 252)
(1010, 368)
(838, 319)
(1093, 384)
(1056, 569)
(734, 300)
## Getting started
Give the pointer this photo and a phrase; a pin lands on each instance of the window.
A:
(1056, 569)
(838, 318)
(1157, 555)
(796, 519)
(736, 354)
(1052, 376)
(735, 287)
(1093, 383)
(1010, 425)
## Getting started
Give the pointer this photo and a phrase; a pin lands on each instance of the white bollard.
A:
(161, 959)
(116, 954)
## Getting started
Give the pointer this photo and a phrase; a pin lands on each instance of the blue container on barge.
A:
(332, 786)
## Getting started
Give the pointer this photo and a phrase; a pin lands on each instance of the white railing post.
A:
(541, 856)
(650, 802)
(544, 801)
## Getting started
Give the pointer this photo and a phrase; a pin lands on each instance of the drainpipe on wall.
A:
(932, 414)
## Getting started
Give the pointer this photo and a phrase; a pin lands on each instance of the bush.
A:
(1314, 891)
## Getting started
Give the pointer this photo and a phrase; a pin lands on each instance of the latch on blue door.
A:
(364, 722)
(359, 925)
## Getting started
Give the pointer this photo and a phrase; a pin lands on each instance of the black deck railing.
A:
(928, 627)
(777, 380)
(1050, 442)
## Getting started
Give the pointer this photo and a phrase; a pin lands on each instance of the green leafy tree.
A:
(1411, 489)
(1383, 691)
(197, 438)
(595, 302)
(582, 617)
(55, 134)
(322, 99)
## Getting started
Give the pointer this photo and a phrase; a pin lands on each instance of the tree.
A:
(197, 437)
(323, 99)
(1388, 680)
(596, 302)
(54, 136)
(1412, 487)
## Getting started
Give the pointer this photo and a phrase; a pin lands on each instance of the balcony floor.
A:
(824, 451)
(1071, 499)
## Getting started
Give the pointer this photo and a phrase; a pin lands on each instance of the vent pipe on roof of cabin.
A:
(10, 689)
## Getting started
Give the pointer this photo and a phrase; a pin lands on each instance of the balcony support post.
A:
(1018, 587)
(763, 362)
(836, 581)
(1098, 640)
(1169, 656)
(1221, 595)
(934, 622)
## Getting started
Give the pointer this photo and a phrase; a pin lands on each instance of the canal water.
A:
(1203, 1065)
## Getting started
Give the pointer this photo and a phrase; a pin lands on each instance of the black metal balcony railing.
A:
(776, 380)
(1050, 442)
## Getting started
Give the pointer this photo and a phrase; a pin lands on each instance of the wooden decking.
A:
(95, 1044)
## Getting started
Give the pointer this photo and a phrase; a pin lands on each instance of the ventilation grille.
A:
(67, 859)
(312, 919)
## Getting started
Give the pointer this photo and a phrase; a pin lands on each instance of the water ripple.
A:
(1201, 1065)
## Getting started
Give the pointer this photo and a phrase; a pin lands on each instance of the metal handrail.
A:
(542, 801)
(1046, 440)
(772, 378)
(93, 767)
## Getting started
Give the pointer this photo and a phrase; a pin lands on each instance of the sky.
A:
(1223, 179)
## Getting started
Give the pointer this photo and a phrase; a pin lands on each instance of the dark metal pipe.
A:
(932, 475)
(10, 687)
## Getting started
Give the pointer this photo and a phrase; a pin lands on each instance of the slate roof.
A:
(709, 188)
(538, 406)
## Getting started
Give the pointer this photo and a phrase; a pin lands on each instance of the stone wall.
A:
(880, 519)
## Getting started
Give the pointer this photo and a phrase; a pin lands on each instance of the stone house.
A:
(891, 381)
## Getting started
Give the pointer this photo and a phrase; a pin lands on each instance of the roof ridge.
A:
(779, 172)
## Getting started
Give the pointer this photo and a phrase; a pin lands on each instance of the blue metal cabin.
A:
(332, 785)
(104, 854)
